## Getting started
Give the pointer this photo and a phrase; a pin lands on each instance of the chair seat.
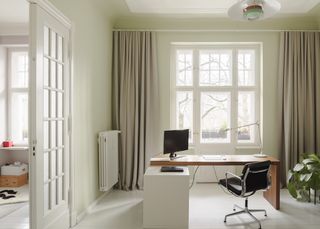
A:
(234, 185)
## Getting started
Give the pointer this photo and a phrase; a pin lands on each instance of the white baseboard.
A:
(73, 218)
(91, 206)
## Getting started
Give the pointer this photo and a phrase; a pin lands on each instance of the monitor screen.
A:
(175, 140)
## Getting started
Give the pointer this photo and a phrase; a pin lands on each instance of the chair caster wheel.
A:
(234, 209)
(265, 215)
(225, 221)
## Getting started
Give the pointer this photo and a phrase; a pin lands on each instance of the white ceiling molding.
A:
(14, 40)
(14, 29)
(213, 7)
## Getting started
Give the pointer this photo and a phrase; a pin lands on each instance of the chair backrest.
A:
(255, 176)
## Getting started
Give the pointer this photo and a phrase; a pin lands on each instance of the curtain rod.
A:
(212, 30)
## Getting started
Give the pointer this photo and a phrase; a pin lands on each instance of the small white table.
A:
(166, 199)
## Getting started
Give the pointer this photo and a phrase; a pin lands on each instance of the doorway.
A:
(50, 116)
(35, 120)
(14, 99)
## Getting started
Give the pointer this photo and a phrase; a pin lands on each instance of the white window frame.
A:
(234, 89)
(11, 90)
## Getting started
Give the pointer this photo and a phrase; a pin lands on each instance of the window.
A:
(214, 88)
(18, 77)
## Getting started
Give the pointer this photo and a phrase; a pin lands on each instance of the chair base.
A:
(247, 211)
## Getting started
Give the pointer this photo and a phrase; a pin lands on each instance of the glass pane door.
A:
(54, 120)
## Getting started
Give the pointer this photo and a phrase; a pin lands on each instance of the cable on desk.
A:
(194, 175)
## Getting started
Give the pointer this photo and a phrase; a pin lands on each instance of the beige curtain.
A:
(299, 84)
(135, 104)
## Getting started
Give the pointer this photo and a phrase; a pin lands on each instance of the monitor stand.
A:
(172, 156)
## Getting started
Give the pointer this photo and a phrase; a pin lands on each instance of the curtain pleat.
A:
(299, 73)
(135, 104)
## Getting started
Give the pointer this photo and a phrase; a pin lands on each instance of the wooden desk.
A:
(272, 195)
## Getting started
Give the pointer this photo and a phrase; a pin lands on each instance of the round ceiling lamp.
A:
(253, 10)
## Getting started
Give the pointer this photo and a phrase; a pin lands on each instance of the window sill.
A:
(248, 147)
(15, 148)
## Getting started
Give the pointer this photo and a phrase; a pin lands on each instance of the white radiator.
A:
(108, 159)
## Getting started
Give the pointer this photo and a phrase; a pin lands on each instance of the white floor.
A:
(14, 216)
(208, 205)
(14, 213)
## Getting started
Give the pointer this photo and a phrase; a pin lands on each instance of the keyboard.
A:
(214, 157)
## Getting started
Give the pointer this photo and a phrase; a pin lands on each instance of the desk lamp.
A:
(260, 154)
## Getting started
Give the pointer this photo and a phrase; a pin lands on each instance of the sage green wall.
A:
(178, 23)
(235, 33)
(92, 91)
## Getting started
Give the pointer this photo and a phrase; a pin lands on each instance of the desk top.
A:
(199, 160)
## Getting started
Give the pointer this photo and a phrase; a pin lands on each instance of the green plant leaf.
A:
(298, 167)
(308, 161)
(308, 176)
(302, 177)
(314, 157)
(310, 167)
(292, 190)
(290, 175)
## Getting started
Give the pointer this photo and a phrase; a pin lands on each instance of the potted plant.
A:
(305, 177)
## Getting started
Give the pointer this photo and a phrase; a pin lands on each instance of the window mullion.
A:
(173, 89)
(234, 100)
(196, 94)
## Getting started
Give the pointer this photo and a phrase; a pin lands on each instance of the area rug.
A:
(21, 196)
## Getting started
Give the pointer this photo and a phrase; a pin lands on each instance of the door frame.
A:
(52, 10)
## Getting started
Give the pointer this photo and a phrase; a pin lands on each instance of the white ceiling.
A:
(14, 11)
(218, 7)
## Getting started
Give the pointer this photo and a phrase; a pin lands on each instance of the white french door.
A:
(49, 117)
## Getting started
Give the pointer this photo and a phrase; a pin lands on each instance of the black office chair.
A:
(255, 176)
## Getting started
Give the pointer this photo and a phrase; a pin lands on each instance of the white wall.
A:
(3, 54)
(11, 156)
(92, 91)
(3, 156)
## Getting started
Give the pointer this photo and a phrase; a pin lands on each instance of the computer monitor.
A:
(175, 141)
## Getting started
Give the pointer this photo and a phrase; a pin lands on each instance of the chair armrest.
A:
(232, 175)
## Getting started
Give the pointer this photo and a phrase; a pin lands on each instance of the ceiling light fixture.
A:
(251, 10)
